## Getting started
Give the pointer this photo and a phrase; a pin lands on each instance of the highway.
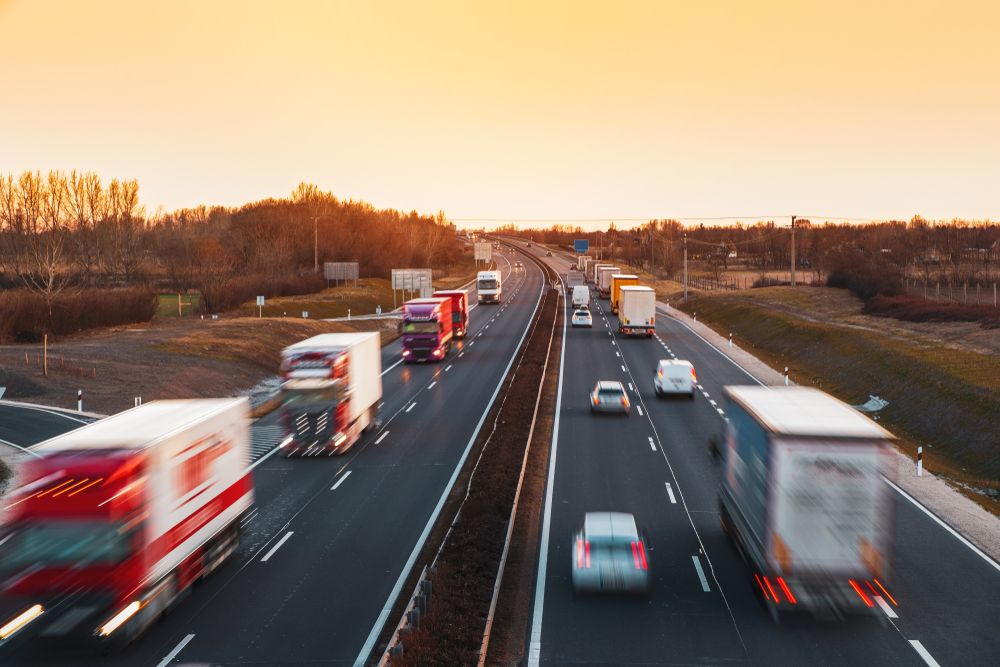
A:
(329, 545)
(702, 608)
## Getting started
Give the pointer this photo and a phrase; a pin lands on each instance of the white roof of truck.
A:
(139, 427)
(804, 411)
(636, 288)
(332, 341)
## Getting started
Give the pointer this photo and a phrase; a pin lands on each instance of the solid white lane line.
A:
(639, 408)
(382, 437)
(885, 607)
(177, 649)
(412, 405)
(670, 492)
(341, 480)
(431, 385)
(652, 445)
(701, 574)
(276, 546)
(922, 652)
(391, 367)
(447, 368)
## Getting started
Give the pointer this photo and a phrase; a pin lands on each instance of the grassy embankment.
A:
(942, 397)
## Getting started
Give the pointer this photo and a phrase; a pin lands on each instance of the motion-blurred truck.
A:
(117, 519)
(427, 328)
(637, 311)
(489, 287)
(581, 296)
(459, 309)
(618, 280)
(331, 391)
(604, 274)
(581, 262)
(594, 269)
(804, 501)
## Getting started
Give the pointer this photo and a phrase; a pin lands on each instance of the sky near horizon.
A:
(518, 110)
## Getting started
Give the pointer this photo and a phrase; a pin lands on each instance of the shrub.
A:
(231, 293)
(863, 274)
(24, 317)
(919, 309)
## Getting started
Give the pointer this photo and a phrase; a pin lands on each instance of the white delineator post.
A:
(138, 401)
(79, 400)
(786, 376)
(920, 461)
(730, 339)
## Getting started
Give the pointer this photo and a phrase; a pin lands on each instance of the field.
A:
(925, 370)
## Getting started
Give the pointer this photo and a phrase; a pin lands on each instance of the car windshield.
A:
(311, 397)
(488, 284)
(64, 543)
(582, 313)
(430, 327)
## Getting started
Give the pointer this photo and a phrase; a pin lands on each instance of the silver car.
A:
(610, 396)
(582, 318)
(609, 555)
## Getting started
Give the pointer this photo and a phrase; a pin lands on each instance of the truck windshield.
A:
(304, 397)
(420, 327)
(488, 284)
(64, 543)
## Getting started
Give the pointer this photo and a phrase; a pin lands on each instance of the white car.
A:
(582, 318)
(675, 377)
(609, 555)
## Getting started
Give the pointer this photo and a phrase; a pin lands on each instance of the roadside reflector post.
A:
(730, 339)
(786, 376)
(79, 400)
(696, 316)
(920, 461)
(348, 313)
(138, 401)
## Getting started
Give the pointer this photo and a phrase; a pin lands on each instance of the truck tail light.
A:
(406, 352)
(861, 593)
(639, 556)
(21, 620)
(594, 399)
(582, 553)
(694, 376)
(119, 619)
(786, 590)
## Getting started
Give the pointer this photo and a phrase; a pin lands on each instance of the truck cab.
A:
(488, 286)
(427, 329)
(459, 309)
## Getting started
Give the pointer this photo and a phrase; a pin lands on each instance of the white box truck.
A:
(488, 287)
(115, 520)
(593, 268)
(804, 500)
(604, 274)
(331, 392)
(581, 296)
(581, 262)
(636, 310)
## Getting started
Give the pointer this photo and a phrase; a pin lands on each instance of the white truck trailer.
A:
(489, 286)
(636, 310)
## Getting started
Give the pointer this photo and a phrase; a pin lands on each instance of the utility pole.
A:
(793, 251)
(315, 244)
(685, 266)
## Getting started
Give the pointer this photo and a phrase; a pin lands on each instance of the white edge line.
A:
(976, 550)
(177, 649)
(341, 480)
(276, 546)
(701, 574)
(376, 630)
(923, 653)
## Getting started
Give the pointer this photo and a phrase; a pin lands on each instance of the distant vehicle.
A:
(548, 253)
(581, 296)
(518, 265)
(527, 245)
(610, 555)
(675, 377)
(331, 392)
(428, 329)
(488, 285)
(581, 262)
(604, 274)
(118, 518)
(609, 396)
(619, 280)
(637, 311)
(582, 318)
(459, 309)
(802, 497)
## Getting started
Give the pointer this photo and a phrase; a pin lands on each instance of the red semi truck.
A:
(427, 329)
(116, 519)
(459, 309)
(332, 388)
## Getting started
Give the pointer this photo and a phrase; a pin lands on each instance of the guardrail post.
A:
(920, 461)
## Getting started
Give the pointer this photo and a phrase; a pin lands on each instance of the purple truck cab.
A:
(427, 329)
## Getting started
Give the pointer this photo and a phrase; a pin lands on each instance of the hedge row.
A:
(25, 318)
(919, 309)
(223, 295)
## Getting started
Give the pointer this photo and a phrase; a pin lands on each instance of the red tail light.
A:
(882, 588)
(786, 590)
(582, 553)
(861, 593)
(639, 556)
(587, 548)
(694, 376)
(770, 588)
(767, 596)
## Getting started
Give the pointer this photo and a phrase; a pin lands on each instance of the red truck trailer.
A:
(459, 309)
(116, 519)
(332, 388)
(427, 329)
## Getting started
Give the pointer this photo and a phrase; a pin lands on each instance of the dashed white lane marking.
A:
(652, 445)
(461, 354)
(885, 607)
(711, 400)
(630, 387)
(707, 395)
(382, 437)
(431, 385)
(623, 369)
(922, 652)
(700, 387)
(719, 410)
(412, 405)
(447, 368)
(472, 343)
(340, 481)
(276, 546)
(701, 574)
(177, 649)
(639, 408)
(617, 353)
(670, 492)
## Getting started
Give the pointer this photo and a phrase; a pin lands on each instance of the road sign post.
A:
(260, 307)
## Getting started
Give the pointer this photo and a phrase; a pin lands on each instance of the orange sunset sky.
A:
(518, 110)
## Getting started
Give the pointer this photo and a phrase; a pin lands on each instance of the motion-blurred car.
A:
(582, 318)
(609, 396)
(675, 377)
(548, 253)
(609, 555)
(518, 265)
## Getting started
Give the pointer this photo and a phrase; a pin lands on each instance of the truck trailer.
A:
(581, 262)
(604, 274)
(618, 280)
(427, 329)
(118, 518)
(459, 309)
(804, 500)
(637, 311)
(488, 287)
(593, 269)
(331, 391)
